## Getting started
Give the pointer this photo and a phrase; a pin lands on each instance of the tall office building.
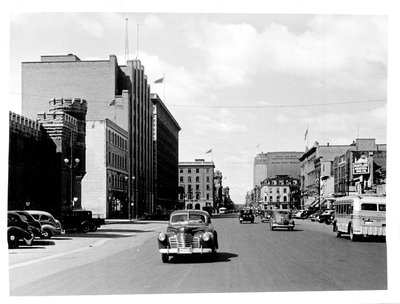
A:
(118, 93)
(166, 149)
(272, 164)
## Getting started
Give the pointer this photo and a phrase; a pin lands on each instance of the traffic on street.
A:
(251, 257)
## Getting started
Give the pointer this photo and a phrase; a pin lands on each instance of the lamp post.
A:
(71, 163)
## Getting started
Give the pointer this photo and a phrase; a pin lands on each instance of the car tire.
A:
(85, 227)
(46, 234)
(13, 241)
(164, 258)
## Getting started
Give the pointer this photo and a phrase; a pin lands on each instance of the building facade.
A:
(276, 192)
(105, 186)
(197, 180)
(47, 159)
(119, 93)
(166, 152)
(312, 162)
(271, 164)
(361, 168)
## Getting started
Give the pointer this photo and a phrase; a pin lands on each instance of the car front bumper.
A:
(185, 250)
(282, 226)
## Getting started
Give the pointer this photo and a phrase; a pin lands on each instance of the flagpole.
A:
(164, 85)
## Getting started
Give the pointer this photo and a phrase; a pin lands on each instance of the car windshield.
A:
(284, 214)
(246, 211)
(186, 218)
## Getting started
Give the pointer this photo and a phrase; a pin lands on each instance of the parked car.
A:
(157, 216)
(299, 214)
(327, 216)
(81, 220)
(315, 216)
(188, 232)
(266, 215)
(18, 230)
(34, 223)
(50, 225)
(281, 218)
(246, 215)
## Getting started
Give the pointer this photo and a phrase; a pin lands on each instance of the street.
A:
(123, 258)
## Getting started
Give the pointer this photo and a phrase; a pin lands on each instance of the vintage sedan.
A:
(188, 232)
(281, 218)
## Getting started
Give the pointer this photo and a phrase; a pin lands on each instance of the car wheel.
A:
(13, 241)
(164, 258)
(46, 234)
(85, 227)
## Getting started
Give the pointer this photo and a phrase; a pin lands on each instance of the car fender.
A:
(49, 227)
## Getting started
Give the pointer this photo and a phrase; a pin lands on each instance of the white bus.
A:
(360, 215)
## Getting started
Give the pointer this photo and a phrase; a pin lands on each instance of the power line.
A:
(238, 106)
(280, 106)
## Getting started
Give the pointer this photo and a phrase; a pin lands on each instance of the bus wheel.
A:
(353, 237)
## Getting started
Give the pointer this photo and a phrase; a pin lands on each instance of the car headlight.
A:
(162, 236)
(206, 236)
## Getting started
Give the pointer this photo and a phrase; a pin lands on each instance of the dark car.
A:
(18, 230)
(34, 223)
(157, 216)
(188, 232)
(315, 216)
(266, 215)
(246, 215)
(81, 220)
(327, 216)
(281, 218)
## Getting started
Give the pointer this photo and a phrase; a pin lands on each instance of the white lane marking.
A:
(22, 264)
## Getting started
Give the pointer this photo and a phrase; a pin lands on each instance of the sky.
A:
(241, 78)
(238, 84)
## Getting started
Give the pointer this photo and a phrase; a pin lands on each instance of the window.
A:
(181, 179)
(369, 207)
(208, 187)
(189, 179)
(382, 207)
(189, 170)
(197, 179)
(197, 170)
(284, 190)
(197, 187)
(208, 179)
(180, 170)
(285, 198)
(208, 195)
(270, 199)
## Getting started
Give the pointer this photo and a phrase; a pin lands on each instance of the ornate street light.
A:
(71, 165)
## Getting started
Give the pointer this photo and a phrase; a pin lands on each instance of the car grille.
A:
(184, 240)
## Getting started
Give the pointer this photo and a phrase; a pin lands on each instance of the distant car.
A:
(34, 223)
(266, 215)
(50, 226)
(157, 216)
(81, 220)
(18, 229)
(281, 218)
(315, 216)
(188, 232)
(327, 216)
(246, 215)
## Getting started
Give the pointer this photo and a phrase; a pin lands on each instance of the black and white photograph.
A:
(200, 152)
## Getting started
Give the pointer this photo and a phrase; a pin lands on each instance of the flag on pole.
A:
(209, 151)
(112, 103)
(161, 80)
(305, 135)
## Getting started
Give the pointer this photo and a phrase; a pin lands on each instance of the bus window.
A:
(382, 207)
(368, 207)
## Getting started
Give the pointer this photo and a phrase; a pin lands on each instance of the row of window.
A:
(117, 161)
(277, 199)
(189, 187)
(189, 179)
(117, 140)
(197, 196)
(197, 170)
(117, 181)
(281, 182)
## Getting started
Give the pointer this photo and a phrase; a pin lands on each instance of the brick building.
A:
(119, 93)
(47, 157)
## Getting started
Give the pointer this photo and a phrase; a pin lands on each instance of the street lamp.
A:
(71, 165)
